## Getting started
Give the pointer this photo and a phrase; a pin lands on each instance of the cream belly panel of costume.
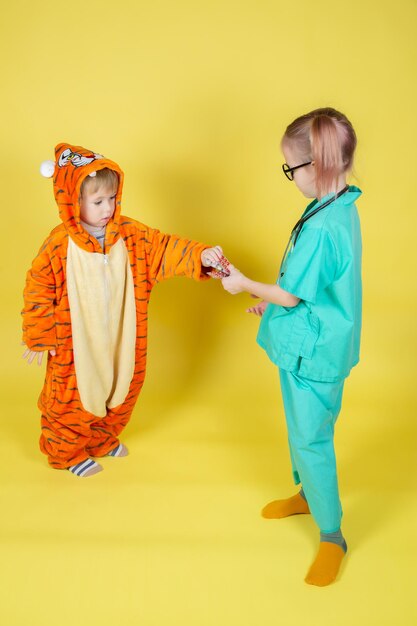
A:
(103, 319)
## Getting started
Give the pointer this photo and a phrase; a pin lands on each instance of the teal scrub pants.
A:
(311, 411)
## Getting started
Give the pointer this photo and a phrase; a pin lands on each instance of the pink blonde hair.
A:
(326, 137)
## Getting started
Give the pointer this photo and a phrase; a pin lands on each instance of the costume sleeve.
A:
(170, 255)
(39, 302)
(311, 266)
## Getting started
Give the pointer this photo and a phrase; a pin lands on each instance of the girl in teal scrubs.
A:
(311, 321)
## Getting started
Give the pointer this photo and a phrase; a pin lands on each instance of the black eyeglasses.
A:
(289, 171)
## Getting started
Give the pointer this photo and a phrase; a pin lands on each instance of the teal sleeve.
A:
(311, 266)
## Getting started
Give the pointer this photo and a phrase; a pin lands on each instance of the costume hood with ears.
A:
(72, 165)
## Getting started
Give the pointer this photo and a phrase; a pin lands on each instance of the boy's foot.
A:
(119, 450)
(326, 565)
(296, 505)
(85, 468)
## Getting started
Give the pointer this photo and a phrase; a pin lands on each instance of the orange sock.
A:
(326, 565)
(296, 505)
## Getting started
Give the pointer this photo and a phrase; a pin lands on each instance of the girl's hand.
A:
(211, 257)
(31, 354)
(235, 282)
(258, 309)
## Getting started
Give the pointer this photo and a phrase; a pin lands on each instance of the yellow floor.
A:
(172, 534)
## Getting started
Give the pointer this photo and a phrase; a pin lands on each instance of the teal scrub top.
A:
(319, 338)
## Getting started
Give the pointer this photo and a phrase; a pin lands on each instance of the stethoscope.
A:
(295, 233)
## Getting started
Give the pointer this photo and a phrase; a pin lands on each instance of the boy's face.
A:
(97, 208)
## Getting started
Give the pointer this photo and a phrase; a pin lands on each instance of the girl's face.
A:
(97, 208)
(304, 177)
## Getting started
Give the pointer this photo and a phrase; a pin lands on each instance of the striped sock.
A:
(119, 450)
(85, 468)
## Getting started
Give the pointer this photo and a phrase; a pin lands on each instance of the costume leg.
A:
(69, 444)
(105, 432)
(69, 433)
(311, 410)
(64, 444)
(64, 422)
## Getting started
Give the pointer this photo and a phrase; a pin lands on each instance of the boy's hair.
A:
(106, 178)
(326, 137)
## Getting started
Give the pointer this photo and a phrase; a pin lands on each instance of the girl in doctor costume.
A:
(311, 321)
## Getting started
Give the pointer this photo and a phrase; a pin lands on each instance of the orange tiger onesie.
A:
(90, 305)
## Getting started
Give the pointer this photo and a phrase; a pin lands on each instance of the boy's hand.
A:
(211, 257)
(258, 309)
(31, 354)
(234, 283)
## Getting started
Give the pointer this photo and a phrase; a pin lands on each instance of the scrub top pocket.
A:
(311, 335)
(288, 334)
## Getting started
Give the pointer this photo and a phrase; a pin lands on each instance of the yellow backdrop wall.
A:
(191, 99)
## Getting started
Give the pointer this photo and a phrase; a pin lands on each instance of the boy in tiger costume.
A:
(85, 304)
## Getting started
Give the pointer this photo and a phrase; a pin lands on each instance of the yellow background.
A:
(191, 98)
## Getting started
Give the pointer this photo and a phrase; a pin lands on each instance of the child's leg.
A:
(311, 410)
(104, 434)
(295, 505)
(64, 445)
(70, 446)
(70, 435)
(101, 442)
